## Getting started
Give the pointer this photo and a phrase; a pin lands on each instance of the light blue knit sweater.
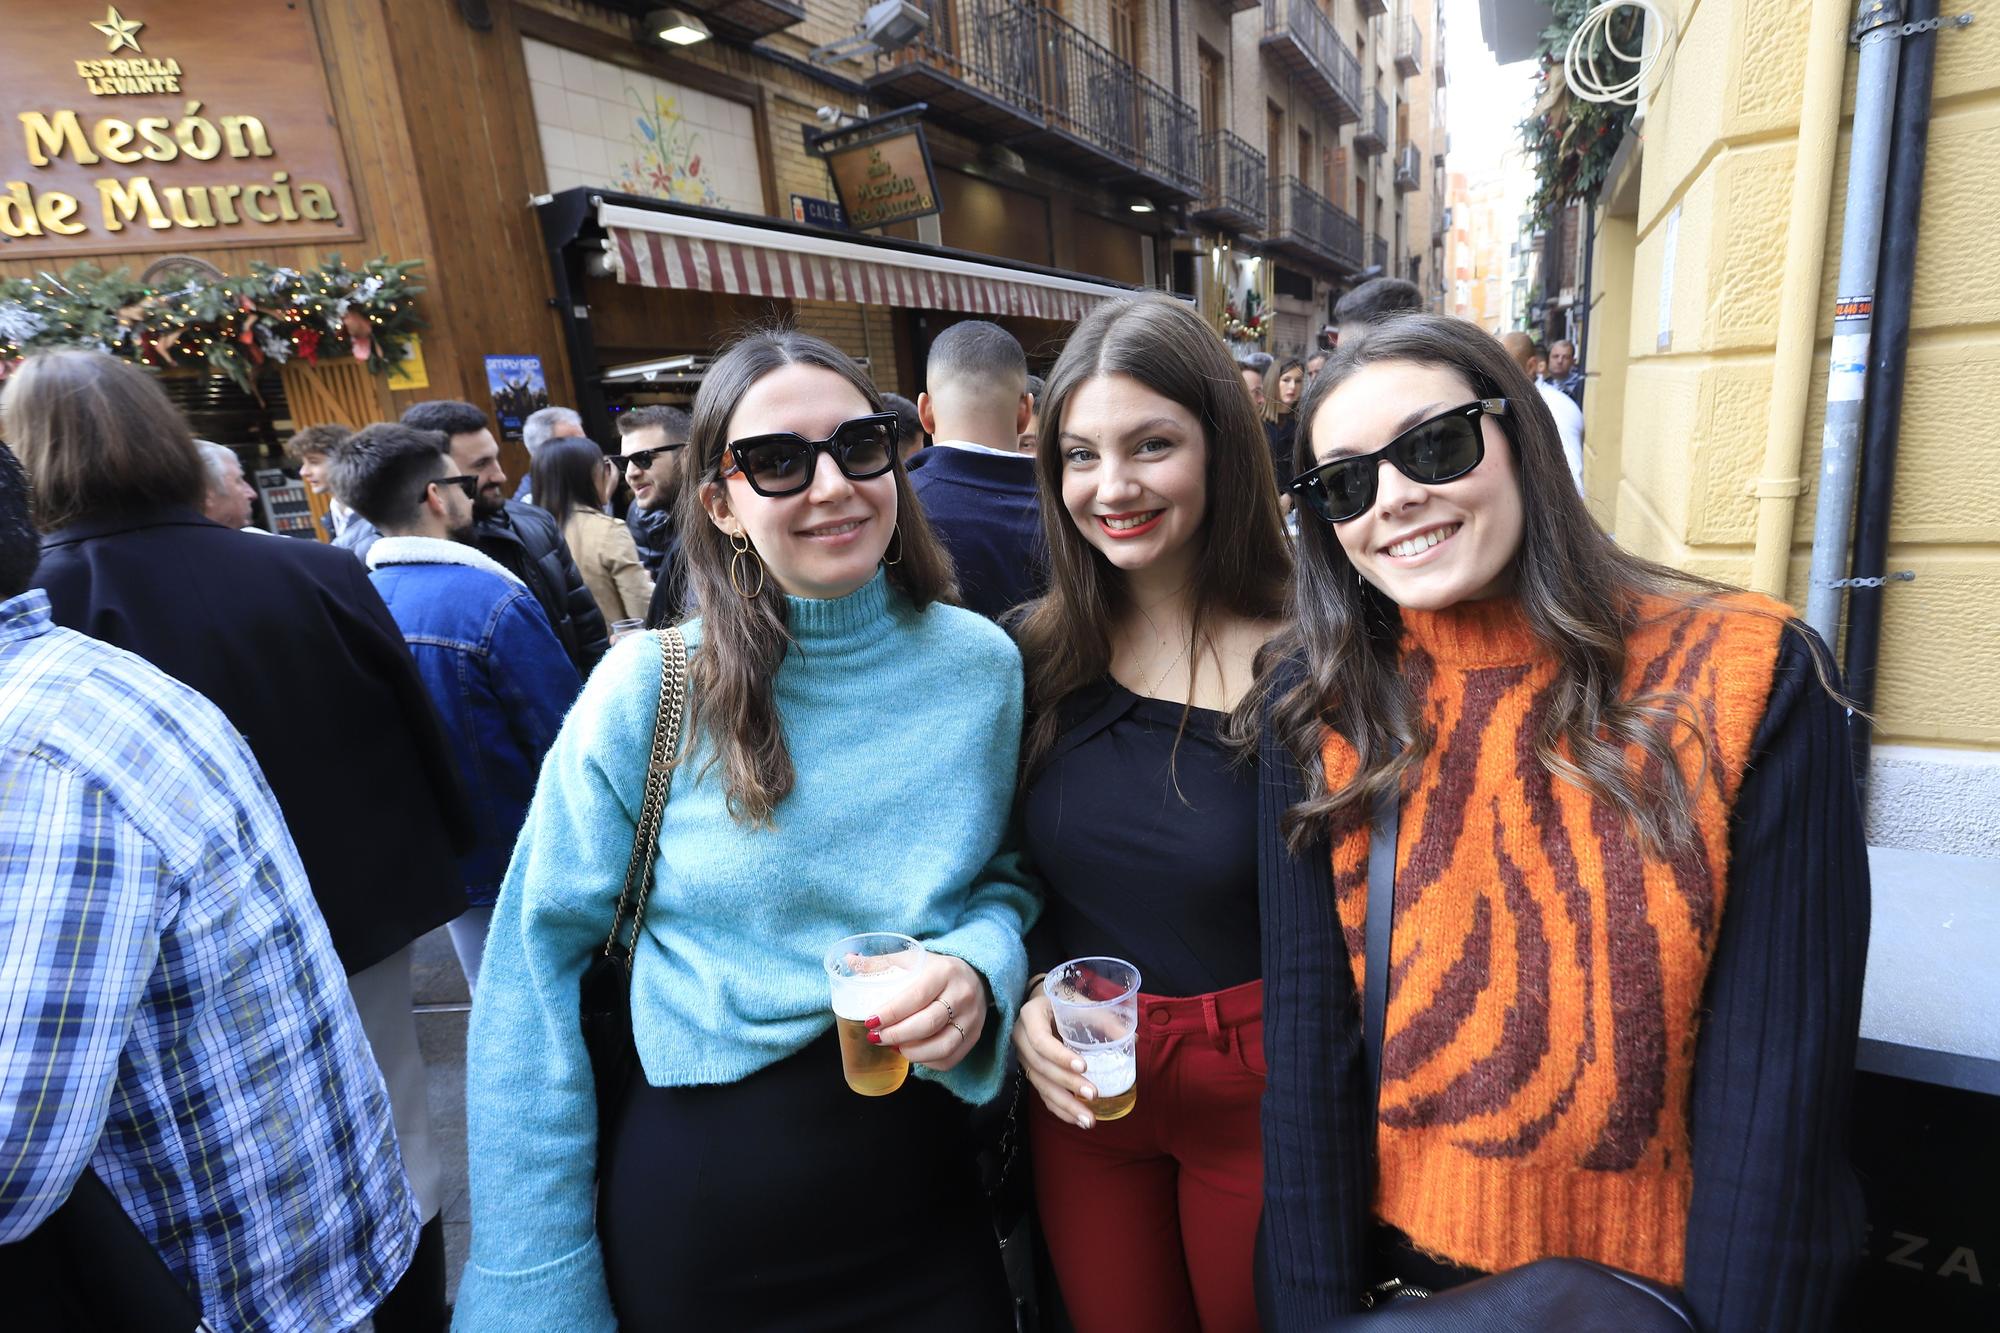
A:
(904, 729)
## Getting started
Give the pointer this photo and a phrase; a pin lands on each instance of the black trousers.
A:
(786, 1202)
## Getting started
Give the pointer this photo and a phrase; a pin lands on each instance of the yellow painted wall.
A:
(1687, 423)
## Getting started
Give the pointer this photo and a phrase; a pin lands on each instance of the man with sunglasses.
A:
(494, 668)
(651, 445)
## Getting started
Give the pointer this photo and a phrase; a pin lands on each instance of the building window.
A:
(1127, 32)
(1214, 88)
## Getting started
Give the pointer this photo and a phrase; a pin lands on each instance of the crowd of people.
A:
(1496, 895)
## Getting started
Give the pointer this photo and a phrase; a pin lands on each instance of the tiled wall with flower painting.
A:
(616, 128)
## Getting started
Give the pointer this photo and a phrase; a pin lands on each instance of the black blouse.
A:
(1150, 853)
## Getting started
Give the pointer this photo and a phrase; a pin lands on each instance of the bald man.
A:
(1569, 417)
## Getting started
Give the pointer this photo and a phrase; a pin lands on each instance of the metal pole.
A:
(1886, 358)
(1880, 25)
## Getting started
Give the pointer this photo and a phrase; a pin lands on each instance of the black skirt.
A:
(784, 1201)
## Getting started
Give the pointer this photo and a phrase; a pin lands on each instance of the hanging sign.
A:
(164, 125)
(881, 169)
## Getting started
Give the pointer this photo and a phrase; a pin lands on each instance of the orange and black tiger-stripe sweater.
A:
(1550, 978)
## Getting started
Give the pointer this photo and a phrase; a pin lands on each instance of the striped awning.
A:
(680, 252)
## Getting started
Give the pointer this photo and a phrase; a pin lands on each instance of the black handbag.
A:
(88, 1267)
(1573, 1295)
(605, 993)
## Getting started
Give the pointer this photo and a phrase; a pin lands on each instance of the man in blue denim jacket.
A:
(483, 644)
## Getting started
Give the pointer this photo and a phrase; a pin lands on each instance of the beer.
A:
(872, 1071)
(1095, 1005)
(1114, 1072)
(865, 972)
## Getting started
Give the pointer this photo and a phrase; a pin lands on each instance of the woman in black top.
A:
(1168, 569)
(1281, 415)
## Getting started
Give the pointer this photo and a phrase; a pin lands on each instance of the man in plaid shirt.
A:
(172, 1013)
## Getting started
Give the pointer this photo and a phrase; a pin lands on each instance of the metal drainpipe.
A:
(1893, 290)
(1778, 487)
(1880, 23)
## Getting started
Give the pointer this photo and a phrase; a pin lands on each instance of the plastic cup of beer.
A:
(866, 971)
(621, 628)
(1096, 1006)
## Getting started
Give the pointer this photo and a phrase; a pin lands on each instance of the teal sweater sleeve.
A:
(531, 1112)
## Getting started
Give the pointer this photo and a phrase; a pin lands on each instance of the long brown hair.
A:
(1274, 411)
(1246, 562)
(100, 439)
(1578, 593)
(745, 639)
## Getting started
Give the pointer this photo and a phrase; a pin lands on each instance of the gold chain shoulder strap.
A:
(659, 779)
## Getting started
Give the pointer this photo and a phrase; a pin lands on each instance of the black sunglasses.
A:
(1442, 448)
(782, 463)
(643, 458)
(468, 484)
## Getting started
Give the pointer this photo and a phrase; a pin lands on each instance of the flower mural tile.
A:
(610, 126)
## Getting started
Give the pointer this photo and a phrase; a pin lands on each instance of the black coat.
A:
(527, 542)
(290, 640)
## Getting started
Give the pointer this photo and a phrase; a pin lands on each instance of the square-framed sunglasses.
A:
(1440, 449)
(782, 463)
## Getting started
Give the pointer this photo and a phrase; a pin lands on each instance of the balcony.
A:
(1232, 184)
(749, 18)
(1370, 8)
(1302, 39)
(1378, 252)
(1437, 55)
(1024, 76)
(1409, 47)
(1305, 225)
(1409, 168)
(1371, 136)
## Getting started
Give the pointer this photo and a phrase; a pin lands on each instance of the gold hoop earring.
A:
(896, 540)
(739, 546)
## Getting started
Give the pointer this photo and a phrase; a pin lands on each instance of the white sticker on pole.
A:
(1669, 245)
(1848, 372)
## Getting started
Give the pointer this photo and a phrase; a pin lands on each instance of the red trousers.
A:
(1151, 1220)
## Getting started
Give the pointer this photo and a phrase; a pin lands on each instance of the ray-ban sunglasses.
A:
(1440, 449)
(782, 463)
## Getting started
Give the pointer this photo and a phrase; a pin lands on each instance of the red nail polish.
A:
(874, 1039)
(874, 1023)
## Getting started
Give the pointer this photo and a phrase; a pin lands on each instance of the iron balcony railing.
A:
(1301, 35)
(1378, 252)
(1371, 136)
(1305, 219)
(1232, 180)
(1408, 168)
(1409, 46)
(1042, 68)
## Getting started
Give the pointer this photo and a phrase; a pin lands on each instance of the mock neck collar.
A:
(833, 624)
(1493, 631)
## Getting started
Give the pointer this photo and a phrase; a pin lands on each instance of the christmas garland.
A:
(234, 323)
(1251, 325)
(1569, 140)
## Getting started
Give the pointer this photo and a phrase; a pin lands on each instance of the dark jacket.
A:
(292, 643)
(652, 533)
(529, 545)
(986, 513)
(499, 678)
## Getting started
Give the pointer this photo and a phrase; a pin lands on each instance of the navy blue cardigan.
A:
(1776, 1218)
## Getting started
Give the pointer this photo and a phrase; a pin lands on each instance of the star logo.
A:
(119, 29)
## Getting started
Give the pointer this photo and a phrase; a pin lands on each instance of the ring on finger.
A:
(950, 1014)
(956, 1028)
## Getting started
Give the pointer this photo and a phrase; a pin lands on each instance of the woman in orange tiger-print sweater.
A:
(1631, 896)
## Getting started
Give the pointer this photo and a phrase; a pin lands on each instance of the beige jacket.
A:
(609, 562)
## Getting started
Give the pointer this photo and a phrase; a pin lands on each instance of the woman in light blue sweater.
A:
(849, 767)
